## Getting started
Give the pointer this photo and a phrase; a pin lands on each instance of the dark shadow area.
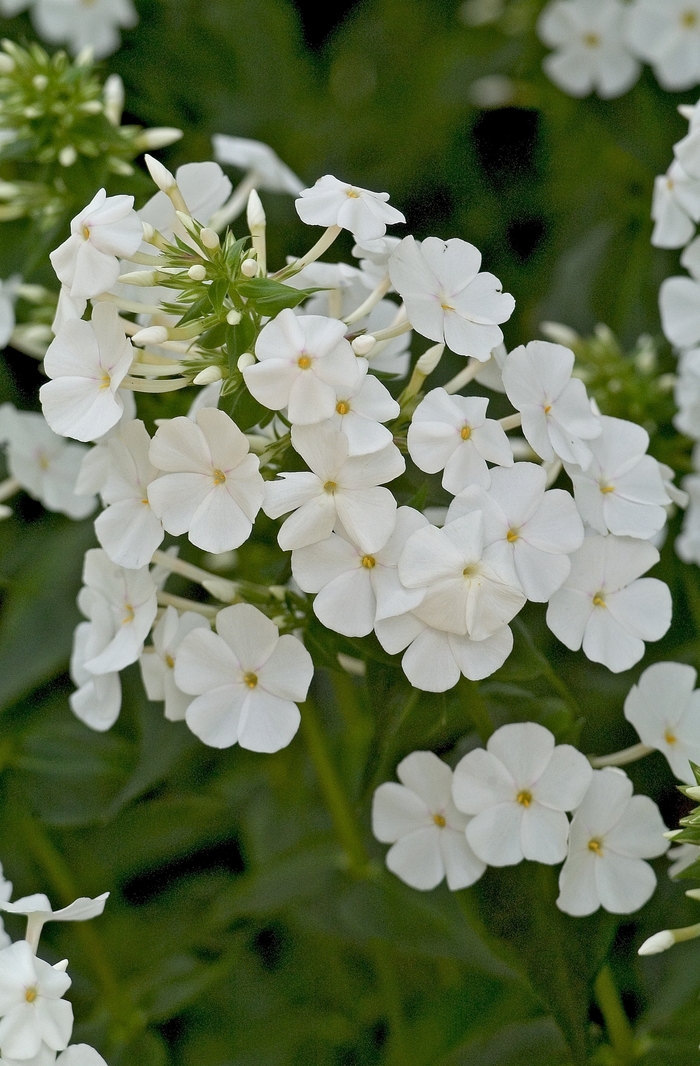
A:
(223, 857)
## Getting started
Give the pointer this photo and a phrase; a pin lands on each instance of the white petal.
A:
(267, 722)
(396, 811)
(417, 860)
(494, 834)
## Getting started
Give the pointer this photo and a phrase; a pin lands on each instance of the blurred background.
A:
(233, 936)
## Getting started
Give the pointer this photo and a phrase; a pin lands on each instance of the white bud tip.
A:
(224, 590)
(158, 137)
(249, 268)
(151, 335)
(255, 214)
(245, 360)
(40, 81)
(657, 943)
(693, 893)
(693, 792)
(67, 156)
(363, 345)
(197, 272)
(5, 511)
(148, 232)
(686, 110)
(430, 359)
(160, 174)
(233, 317)
(61, 966)
(559, 333)
(209, 238)
(143, 278)
(208, 375)
(7, 64)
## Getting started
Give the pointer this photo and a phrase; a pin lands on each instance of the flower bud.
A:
(430, 359)
(160, 174)
(245, 360)
(7, 64)
(67, 156)
(40, 82)
(198, 272)
(249, 268)
(255, 214)
(363, 345)
(208, 375)
(150, 335)
(233, 317)
(221, 588)
(113, 94)
(657, 943)
(209, 238)
(158, 137)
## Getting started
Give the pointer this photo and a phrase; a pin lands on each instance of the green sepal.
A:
(270, 297)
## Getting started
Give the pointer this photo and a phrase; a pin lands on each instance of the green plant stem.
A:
(616, 1021)
(397, 1049)
(337, 802)
(478, 711)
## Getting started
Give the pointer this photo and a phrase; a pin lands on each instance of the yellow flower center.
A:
(330, 487)
(31, 994)
(447, 307)
(129, 614)
(524, 798)
(86, 233)
(670, 737)
(44, 463)
(352, 194)
(439, 820)
(595, 846)
(105, 381)
(304, 362)
(689, 19)
(471, 570)
(170, 661)
(605, 489)
(250, 679)
(369, 562)
(547, 408)
(591, 40)
(512, 535)
(219, 477)
(599, 600)
(342, 407)
(466, 432)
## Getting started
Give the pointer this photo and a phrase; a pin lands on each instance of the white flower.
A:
(303, 362)
(31, 1006)
(354, 588)
(687, 394)
(46, 1056)
(213, 489)
(45, 465)
(105, 231)
(454, 434)
(687, 543)
(128, 530)
(158, 664)
(675, 208)
(390, 356)
(337, 487)
(604, 607)
(535, 531)
(129, 598)
(556, 414)
(591, 51)
(204, 188)
(38, 911)
(87, 362)
(374, 257)
(466, 589)
(331, 202)
(247, 680)
(98, 697)
(94, 470)
(681, 857)
(359, 414)
(344, 288)
(84, 23)
(665, 710)
(518, 790)
(434, 660)
(490, 374)
(621, 491)
(666, 33)
(679, 304)
(8, 296)
(690, 258)
(420, 820)
(265, 166)
(611, 833)
(447, 298)
(5, 893)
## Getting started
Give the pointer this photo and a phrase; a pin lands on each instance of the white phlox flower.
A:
(606, 606)
(359, 414)
(303, 362)
(675, 208)
(8, 296)
(212, 489)
(687, 543)
(433, 660)
(374, 257)
(336, 487)
(5, 893)
(105, 231)
(679, 305)
(95, 466)
(158, 663)
(591, 52)
(556, 415)
(447, 298)
(31, 1004)
(690, 258)
(331, 202)
(490, 374)
(531, 530)
(467, 591)
(129, 597)
(67, 309)
(45, 465)
(621, 491)
(128, 529)
(247, 680)
(97, 699)
(518, 791)
(452, 433)
(681, 857)
(687, 394)
(667, 35)
(353, 588)
(38, 911)
(265, 166)
(611, 833)
(344, 287)
(664, 708)
(87, 362)
(426, 831)
(84, 24)
(46, 1056)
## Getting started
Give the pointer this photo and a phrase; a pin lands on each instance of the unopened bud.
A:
(233, 317)
(67, 156)
(197, 272)
(249, 268)
(7, 64)
(245, 360)
(559, 333)
(187, 221)
(158, 137)
(693, 893)
(221, 588)
(61, 966)
(113, 94)
(693, 792)
(209, 238)
(149, 233)
(255, 214)
(92, 107)
(430, 359)
(150, 335)
(657, 943)
(686, 110)
(143, 278)
(160, 174)
(40, 81)
(363, 345)
(85, 57)
(208, 375)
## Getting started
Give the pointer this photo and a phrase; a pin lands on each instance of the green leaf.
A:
(269, 297)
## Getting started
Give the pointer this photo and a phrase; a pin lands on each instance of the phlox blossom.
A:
(158, 662)
(591, 52)
(128, 529)
(331, 202)
(103, 232)
(664, 708)
(31, 1004)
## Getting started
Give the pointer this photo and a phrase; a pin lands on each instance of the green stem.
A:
(616, 1021)
(478, 710)
(333, 792)
(397, 1049)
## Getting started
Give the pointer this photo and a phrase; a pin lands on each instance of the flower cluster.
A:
(509, 802)
(77, 24)
(600, 45)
